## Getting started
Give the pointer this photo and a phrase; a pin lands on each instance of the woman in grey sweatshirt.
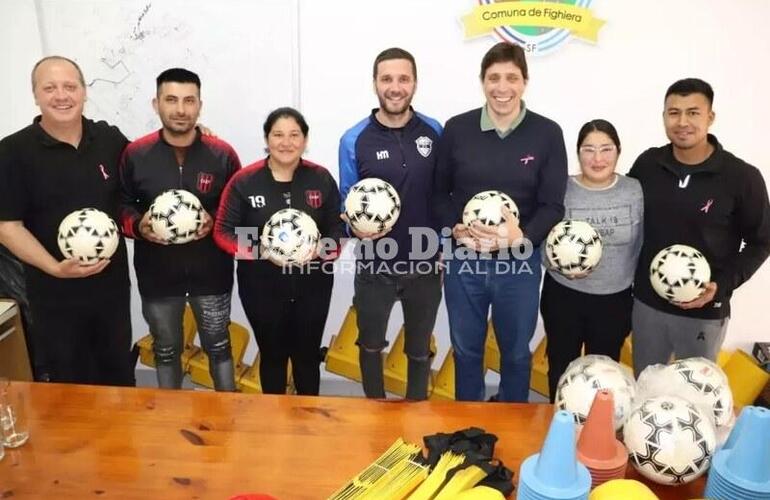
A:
(593, 312)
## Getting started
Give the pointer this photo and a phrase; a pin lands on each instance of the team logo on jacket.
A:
(313, 198)
(424, 145)
(205, 182)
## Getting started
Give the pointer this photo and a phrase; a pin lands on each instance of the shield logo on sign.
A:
(205, 182)
(313, 198)
(424, 145)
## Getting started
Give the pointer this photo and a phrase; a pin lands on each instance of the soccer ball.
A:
(669, 440)
(706, 380)
(176, 215)
(372, 206)
(290, 237)
(679, 273)
(88, 235)
(487, 208)
(586, 376)
(573, 247)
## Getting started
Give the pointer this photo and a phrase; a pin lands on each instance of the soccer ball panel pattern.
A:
(176, 215)
(88, 235)
(669, 440)
(290, 236)
(372, 206)
(573, 247)
(586, 376)
(679, 273)
(487, 208)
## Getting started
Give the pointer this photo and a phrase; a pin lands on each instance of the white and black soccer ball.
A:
(290, 236)
(372, 206)
(573, 247)
(707, 382)
(176, 215)
(679, 273)
(88, 235)
(487, 208)
(588, 375)
(669, 440)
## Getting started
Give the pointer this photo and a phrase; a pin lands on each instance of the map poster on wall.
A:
(243, 54)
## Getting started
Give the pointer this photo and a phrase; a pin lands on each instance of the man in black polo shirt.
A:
(60, 163)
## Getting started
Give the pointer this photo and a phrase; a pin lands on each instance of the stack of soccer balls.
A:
(679, 273)
(672, 434)
(372, 206)
(586, 376)
(176, 215)
(88, 235)
(289, 237)
(486, 207)
(669, 440)
(573, 248)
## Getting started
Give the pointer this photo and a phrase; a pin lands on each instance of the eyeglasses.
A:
(603, 151)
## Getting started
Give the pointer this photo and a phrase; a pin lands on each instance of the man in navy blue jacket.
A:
(397, 145)
(506, 147)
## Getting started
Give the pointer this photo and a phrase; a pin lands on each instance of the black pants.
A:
(288, 314)
(573, 319)
(375, 294)
(85, 343)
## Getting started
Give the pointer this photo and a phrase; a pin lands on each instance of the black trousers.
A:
(287, 314)
(575, 319)
(85, 343)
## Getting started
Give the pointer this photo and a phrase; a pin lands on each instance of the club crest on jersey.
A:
(313, 198)
(424, 145)
(205, 182)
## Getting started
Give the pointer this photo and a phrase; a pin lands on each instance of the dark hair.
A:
(505, 52)
(57, 58)
(177, 75)
(285, 112)
(598, 125)
(689, 86)
(394, 53)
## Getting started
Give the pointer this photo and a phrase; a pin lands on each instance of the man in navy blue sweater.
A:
(506, 147)
(397, 145)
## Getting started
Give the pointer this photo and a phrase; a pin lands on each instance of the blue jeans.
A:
(212, 315)
(512, 288)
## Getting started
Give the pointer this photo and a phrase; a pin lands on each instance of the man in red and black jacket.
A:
(198, 272)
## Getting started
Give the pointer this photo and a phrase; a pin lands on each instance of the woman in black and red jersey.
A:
(287, 307)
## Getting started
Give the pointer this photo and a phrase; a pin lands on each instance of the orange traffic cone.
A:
(598, 449)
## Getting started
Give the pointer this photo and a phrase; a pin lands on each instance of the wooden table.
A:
(105, 442)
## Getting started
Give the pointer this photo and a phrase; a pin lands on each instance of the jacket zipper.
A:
(186, 268)
(401, 148)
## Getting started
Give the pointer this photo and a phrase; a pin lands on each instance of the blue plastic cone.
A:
(736, 430)
(741, 469)
(555, 472)
(750, 459)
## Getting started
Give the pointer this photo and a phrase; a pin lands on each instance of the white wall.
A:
(642, 49)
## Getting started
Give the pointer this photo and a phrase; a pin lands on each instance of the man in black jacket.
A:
(697, 194)
(198, 272)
